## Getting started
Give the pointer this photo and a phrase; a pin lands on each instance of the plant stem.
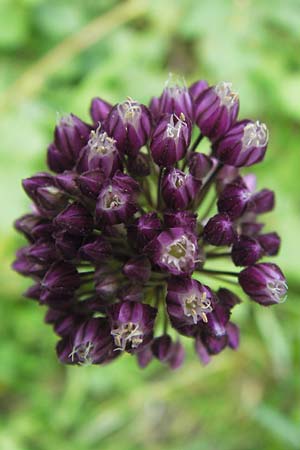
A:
(220, 272)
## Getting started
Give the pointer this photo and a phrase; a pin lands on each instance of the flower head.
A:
(125, 226)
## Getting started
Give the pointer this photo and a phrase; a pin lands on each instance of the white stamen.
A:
(197, 306)
(101, 143)
(175, 85)
(256, 134)
(178, 179)
(127, 333)
(64, 120)
(130, 111)
(83, 353)
(226, 95)
(179, 253)
(173, 130)
(278, 290)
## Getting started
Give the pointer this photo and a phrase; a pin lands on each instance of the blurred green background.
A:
(54, 56)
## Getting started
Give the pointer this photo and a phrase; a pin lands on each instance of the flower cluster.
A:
(131, 217)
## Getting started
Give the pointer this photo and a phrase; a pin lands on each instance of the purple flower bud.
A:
(215, 344)
(99, 153)
(264, 283)
(144, 356)
(176, 356)
(233, 335)
(64, 322)
(262, 202)
(270, 243)
(234, 199)
(67, 182)
(226, 175)
(138, 269)
(217, 319)
(161, 347)
(27, 266)
(188, 301)
(251, 229)
(114, 204)
(70, 136)
(62, 278)
(131, 293)
(95, 250)
(219, 230)
(227, 298)
(140, 165)
(33, 292)
(27, 224)
(179, 189)
(75, 219)
(245, 144)
(91, 182)
(99, 110)
(42, 189)
(91, 344)
(216, 110)
(145, 228)
(197, 88)
(67, 244)
(131, 325)
(201, 351)
(59, 161)
(129, 123)
(181, 219)
(246, 251)
(107, 283)
(200, 165)
(175, 251)
(176, 99)
(170, 140)
(43, 252)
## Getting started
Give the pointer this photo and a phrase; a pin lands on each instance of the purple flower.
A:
(216, 109)
(128, 218)
(170, 139)
(264, 283)
(129, 123)
(219, 230)
(245, 144)
(179, 189)
(174, 251)
(131, 325)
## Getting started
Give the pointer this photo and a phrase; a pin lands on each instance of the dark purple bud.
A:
(177, 355)
(227, 298)
(179, 189)
(62, 278)
(114, 205)
(99, 153)
(251, 229)
(27, 266)
(215, 344)
(99, 110)
(27, 223)
(245, 144)
(246, 251)
(91, 344)
(34, 292)
(176, 99)
(154, 108)
(181, 219)
(144, 356)
(262, 202)
(96, 250)
(219, 230)
(226, 175)
(234, 199)
(67, 244)
(91, 182)
(162, 347)
(201, 351)
(43, 252)
(216, 110)
(67, 182)
(107, 283)
(140, 165)
(264, 283)
(64, 322)
(131, 325)
(270, 243)
(59, 161)
(233, 335)
(75, 219)
(138, 269)
(217, 319)
(197, 88)
(200, 165)
(129, 123)
(126, 183)
(145, 228)
(170, 140)
(131, 293)
(174, 251)
(70, 135)
(188, 301)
